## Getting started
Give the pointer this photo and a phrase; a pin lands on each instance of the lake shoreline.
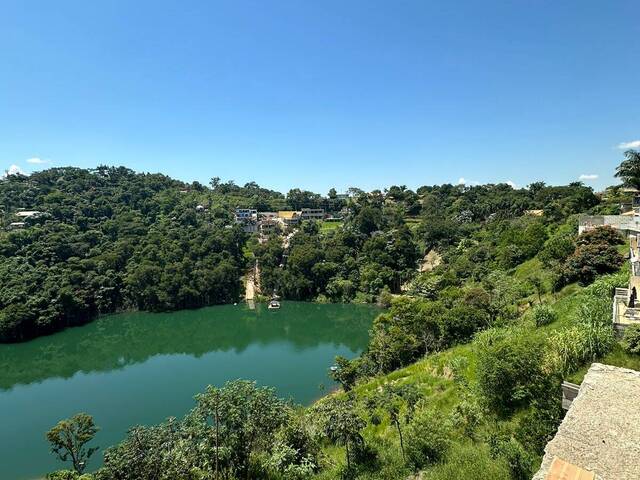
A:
(259, 300)
(141, 368)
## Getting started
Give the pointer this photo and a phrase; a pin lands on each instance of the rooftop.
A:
(600, 432)
(27, 213)
(288, 214)
(534, 213)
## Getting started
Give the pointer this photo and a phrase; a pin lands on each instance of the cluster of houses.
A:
(21, 218)
(253, 221)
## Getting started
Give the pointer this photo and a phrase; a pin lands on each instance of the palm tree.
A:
(629, 169)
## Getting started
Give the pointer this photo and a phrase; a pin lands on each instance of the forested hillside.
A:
(110, 239)
(387, 233)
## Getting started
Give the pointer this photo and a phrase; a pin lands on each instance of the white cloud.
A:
(512, 184)
(464, 181)
(632, 144)
(13, 170)
(37, 161)
(588, 177)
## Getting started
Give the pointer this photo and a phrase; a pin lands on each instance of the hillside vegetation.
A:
(461, 376)
(109, 239)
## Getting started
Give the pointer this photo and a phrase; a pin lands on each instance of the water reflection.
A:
(117, 341)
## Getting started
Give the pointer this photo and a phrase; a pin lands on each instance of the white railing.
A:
(622, 292)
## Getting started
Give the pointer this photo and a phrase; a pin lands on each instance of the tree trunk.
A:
(346, 444)
(217, 439)
(401, 440)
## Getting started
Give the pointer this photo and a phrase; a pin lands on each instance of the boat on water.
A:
(274, 305)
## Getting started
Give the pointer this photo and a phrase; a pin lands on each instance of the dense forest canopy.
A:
(109, 239)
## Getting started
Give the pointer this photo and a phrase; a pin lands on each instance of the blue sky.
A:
(321, 94)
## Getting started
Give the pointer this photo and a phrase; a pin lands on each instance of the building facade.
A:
(312, 214)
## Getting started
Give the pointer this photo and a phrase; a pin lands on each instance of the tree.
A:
(605, 234)
(393, 401)
(215, 182)
(242, 417)
(427, 439)
(69, 437)
(149, 453)
(537, 282)
(629, 169)
(510, 369)
(590, 260)
(210, 405)
(345, 373)
(340, 423)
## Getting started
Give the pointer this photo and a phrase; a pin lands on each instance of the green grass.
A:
(530, 268)
(469, 460)
(329, 226)
(623, 249)
(617, 357)
(412, 222)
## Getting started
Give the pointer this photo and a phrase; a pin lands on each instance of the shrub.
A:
(592, 335)
(510, 370)
(557, 248)
(631, 339)
(520, 462)
(544, 315)
(461, 322)
(605, 285)
(573, 347)
(467, 416)
(68, 475)
(596, 254)
(593, 310)
(63, 475)
(427, 439)
(469, 461)
(539, 424)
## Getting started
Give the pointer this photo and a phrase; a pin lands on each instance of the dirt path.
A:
(252, 286)
(430, 261)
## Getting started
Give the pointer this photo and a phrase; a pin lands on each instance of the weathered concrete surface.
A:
(601, 431)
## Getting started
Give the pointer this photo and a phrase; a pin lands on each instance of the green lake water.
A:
(140, 368)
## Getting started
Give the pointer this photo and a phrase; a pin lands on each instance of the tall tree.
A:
(395, 400)
(341, 424)
(242, 418)
(69, 437)
(629, 169)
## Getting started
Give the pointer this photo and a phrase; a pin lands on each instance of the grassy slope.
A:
(433, 377)
(329, 226)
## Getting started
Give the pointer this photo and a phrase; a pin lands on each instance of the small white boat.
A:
(274, 305)
(333, 368)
